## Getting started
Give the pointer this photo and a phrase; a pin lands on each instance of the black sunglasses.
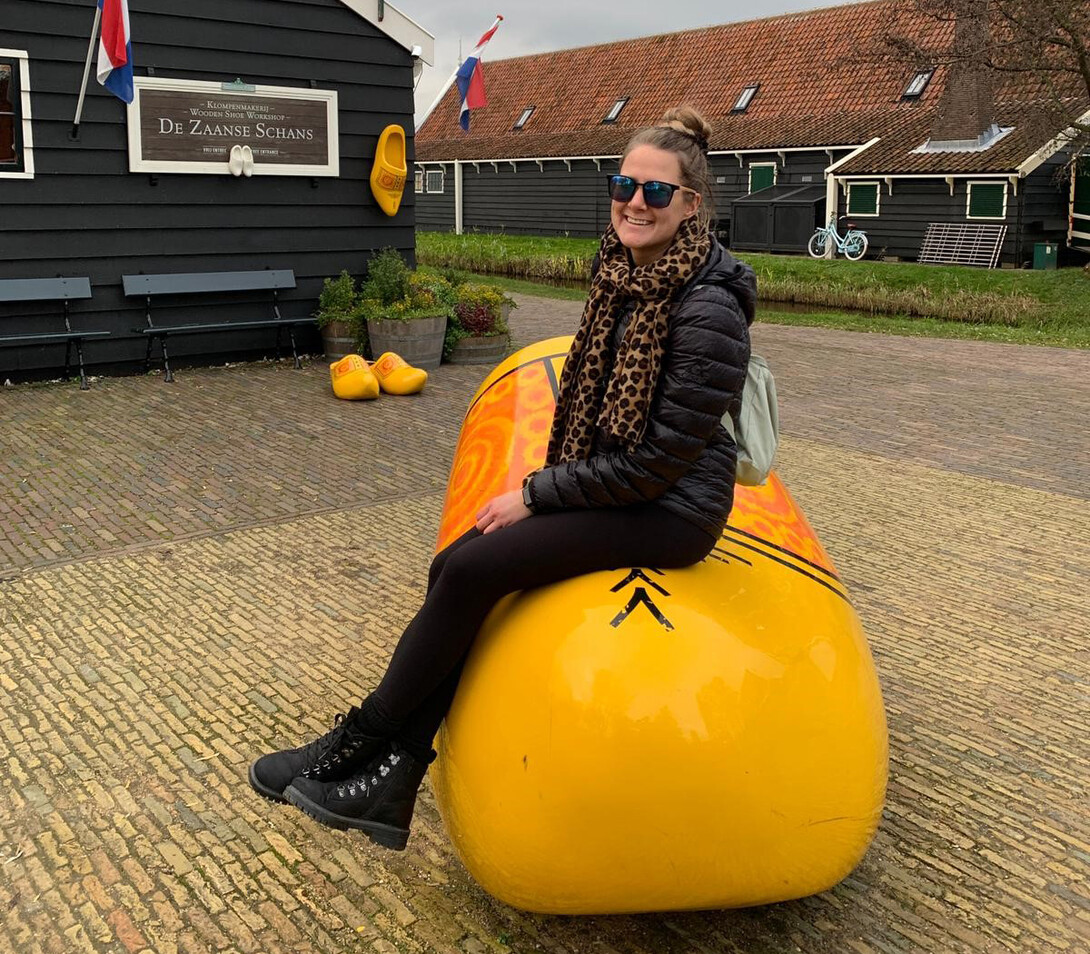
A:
(656, 194)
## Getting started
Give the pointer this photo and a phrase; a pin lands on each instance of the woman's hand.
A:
(502, 511)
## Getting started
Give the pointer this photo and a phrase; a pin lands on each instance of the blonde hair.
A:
(685, 133)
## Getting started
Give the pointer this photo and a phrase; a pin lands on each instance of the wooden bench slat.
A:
(44, 289)
(192, 283)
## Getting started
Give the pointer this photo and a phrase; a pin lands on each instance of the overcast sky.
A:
(535, 26)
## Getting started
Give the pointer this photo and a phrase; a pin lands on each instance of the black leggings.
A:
(471, 575)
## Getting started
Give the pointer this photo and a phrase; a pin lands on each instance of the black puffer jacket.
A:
(686, 460)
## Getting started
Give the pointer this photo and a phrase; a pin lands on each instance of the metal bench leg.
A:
(168, 375)
(67, 359)
(147, 355)
(294, 350)
(83, 385)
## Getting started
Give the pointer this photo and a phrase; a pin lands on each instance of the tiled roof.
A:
(895, 153)
(816, 89)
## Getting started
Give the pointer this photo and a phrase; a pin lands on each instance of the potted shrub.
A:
(478, 332)
(406, 312)
(338, 317)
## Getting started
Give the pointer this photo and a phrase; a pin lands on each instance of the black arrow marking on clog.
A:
(640, 596)
(639, 575)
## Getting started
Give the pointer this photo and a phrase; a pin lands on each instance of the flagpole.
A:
(453, 76)
(86, 73)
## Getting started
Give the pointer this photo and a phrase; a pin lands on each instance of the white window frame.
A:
(969, 200)
(877, 200)
(23, 59)
(418, 181)
(428, 181)
(775, 172)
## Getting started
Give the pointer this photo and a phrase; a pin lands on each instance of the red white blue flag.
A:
(115, 49)
(471, 79)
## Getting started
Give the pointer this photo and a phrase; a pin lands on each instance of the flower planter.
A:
(338, 340)
(483, 349)
(419, 340)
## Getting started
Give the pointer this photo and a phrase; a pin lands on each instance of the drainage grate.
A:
(962, 243)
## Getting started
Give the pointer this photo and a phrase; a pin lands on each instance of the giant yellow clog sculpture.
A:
(390, 169)
(640, 740)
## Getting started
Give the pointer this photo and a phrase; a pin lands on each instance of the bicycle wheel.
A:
(818, 240)
(855, 246)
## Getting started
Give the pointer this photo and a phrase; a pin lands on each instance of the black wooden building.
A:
(808, 122)
(82, 205)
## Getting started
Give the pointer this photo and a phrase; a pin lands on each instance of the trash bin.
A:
(1044, 254)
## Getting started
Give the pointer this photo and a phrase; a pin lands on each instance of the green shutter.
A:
(761, 177)
(863, 198)
(986, 200)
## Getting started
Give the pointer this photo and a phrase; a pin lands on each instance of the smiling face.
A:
(647, 232)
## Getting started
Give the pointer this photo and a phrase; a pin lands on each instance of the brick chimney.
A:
(966, 112)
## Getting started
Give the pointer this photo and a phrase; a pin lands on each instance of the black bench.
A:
(194, 283)
(51, 289)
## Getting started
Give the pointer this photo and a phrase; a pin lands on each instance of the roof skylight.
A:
(526, 114)
(745, 98)
(615, 111)
(914, 90)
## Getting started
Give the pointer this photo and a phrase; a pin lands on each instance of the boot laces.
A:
(368, 779)
(338, 744)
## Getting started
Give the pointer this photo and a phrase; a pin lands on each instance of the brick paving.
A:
(192, 573)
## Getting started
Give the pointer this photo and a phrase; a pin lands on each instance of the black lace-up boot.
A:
(378, 802)
(343, 750)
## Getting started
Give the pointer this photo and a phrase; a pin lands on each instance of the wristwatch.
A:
(527, 497)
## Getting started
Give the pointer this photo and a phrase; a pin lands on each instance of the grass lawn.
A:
(1029, 307)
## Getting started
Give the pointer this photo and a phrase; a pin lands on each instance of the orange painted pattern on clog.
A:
(389, 362)
(506, 434)
(347, 364)
(504, 437)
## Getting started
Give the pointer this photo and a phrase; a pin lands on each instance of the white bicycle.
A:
(853, 243)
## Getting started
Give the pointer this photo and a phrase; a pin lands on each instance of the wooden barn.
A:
(808, 123)
(247, 150)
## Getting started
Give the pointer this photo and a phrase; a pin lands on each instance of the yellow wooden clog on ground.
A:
(397, 376)
(352, 379)
(389, 170)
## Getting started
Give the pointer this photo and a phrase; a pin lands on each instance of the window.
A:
(986, 200)
(915, 88)
(615, 111)
(526, 114)
(762, 175)
(435, 181)
(863, 198)
(745, 98)
(16, 148)
(419, 180)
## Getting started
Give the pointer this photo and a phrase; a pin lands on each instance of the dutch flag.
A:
(471, 79)
(115, 49)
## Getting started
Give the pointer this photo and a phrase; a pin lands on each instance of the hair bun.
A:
(688, 122)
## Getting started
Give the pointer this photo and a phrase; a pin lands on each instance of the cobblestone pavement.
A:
(190, 574)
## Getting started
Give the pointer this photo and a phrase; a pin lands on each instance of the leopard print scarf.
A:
(617, 397)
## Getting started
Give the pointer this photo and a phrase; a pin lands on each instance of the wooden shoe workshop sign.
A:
(192, 127)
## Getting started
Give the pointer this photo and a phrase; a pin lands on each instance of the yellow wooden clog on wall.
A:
(352, 379)
(390, 169)
(638, 740)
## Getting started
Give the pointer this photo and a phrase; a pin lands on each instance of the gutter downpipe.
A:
(458, 197)
(831, 195)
